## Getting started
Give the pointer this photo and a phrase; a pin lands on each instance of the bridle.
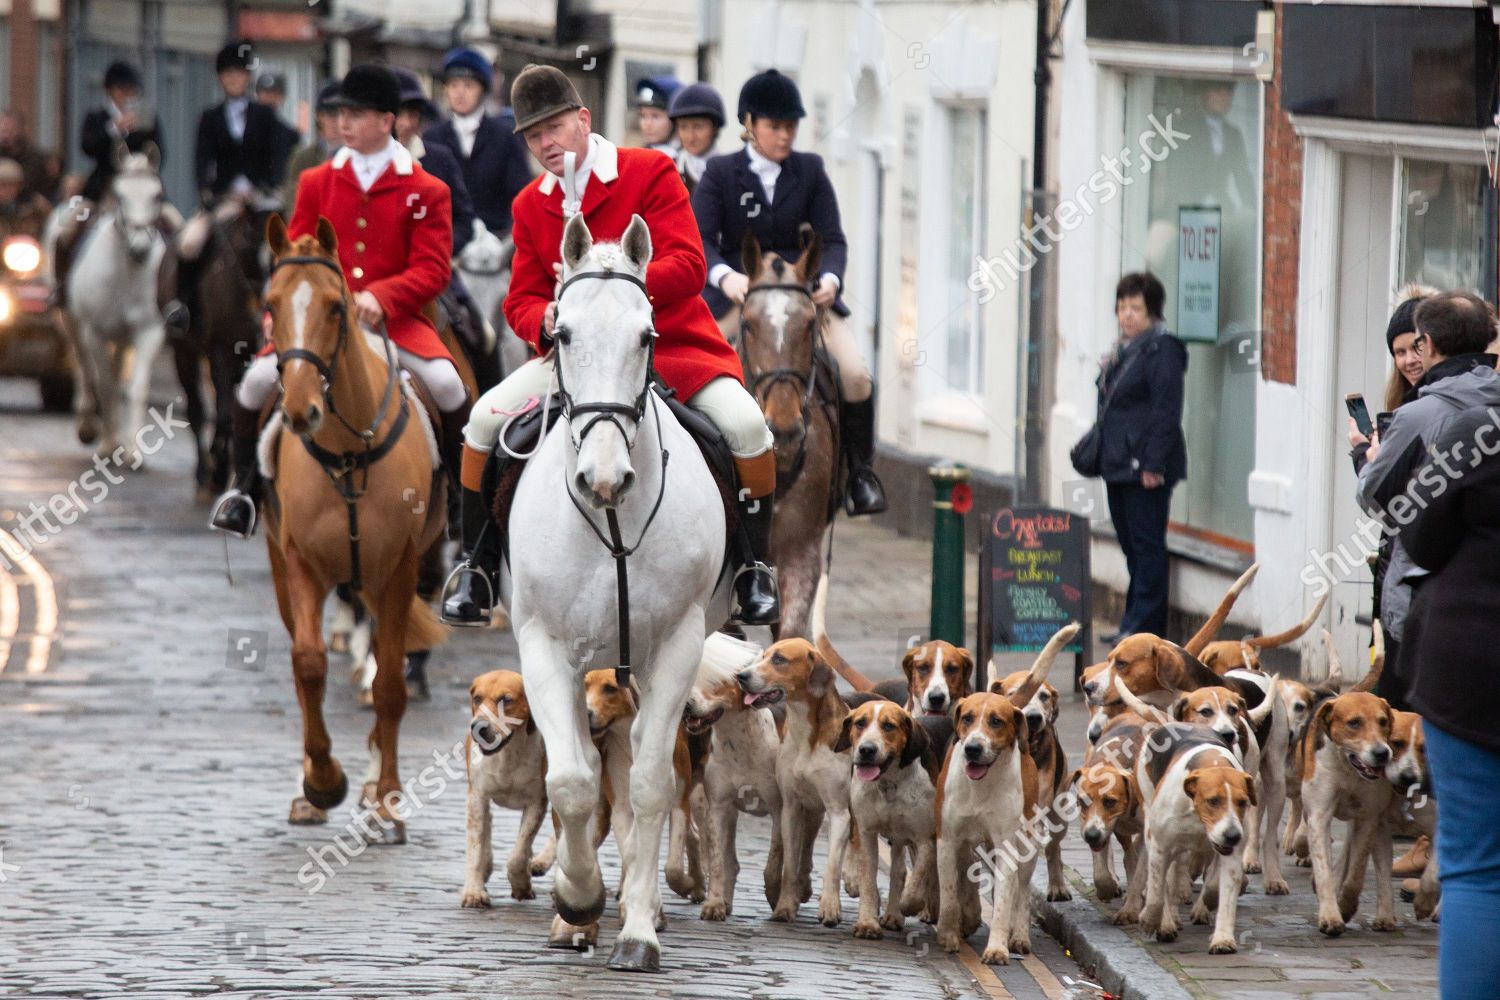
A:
(806, 380)
(341, 466)
(611, 412)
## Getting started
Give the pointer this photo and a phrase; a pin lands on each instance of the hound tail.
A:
(723, 657)
(1211, 627)
(1293, 633)
(423, 630)
(841, 666)
(1377, 662)
(1037, 676)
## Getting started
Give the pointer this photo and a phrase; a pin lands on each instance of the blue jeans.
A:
(1464, 779)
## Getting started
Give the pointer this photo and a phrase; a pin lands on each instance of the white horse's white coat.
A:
(561, 585)
(112, 305)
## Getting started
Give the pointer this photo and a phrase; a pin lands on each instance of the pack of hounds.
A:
(1193, 754)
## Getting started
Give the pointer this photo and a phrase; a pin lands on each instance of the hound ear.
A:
(967, 659)
(916, 741)
(525, 706)
(1072, 781)
(1168, 665)
(1250, 790)
(845, 737)
(812, 256)
(909, 663)
(577, 242)
(1322, 720)
(821, 677)
(276, 237)
(750, 255)
(636, 243)
(327, 238)
(1179, 709)
(1190, 784)
(1023, 729)
(997, 686)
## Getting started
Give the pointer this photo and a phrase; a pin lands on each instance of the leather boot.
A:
(451, 444)
(756, 596)
(863, 494)
(477, 573)
(234, 512)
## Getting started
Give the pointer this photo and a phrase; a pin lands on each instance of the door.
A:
(1364, 304)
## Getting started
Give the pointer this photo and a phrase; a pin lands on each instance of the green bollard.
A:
(947, 620)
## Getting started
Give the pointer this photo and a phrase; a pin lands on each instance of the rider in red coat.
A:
(395, 240)
(692, 356)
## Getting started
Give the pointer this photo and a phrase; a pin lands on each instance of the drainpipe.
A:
(1036, 326)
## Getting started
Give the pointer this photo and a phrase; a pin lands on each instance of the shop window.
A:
(963, 362)
(1191, 215)
(1446, 210)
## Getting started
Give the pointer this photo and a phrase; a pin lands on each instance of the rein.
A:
(611, 412)
(771, 376)
(342, 466)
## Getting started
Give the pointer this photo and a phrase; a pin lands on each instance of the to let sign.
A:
(1199, 243)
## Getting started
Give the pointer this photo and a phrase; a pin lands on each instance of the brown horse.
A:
(355, 499)
(779, 349)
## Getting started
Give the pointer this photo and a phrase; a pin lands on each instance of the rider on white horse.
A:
(395, 238)
(692, 357)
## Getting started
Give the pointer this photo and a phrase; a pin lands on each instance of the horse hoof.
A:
(566, 937)
(329, 798)
(366, 698)
(581, 916)
(635, 956)
(304, 813)
(388, 833)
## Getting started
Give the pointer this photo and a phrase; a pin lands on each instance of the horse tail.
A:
(423, 630)
(841, 666)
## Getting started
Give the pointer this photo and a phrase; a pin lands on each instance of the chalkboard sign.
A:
(1034, 579)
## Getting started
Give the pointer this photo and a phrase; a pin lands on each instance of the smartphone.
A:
(1355, 403)
(1382, 421)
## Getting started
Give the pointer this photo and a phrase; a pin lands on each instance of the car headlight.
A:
(22, 255)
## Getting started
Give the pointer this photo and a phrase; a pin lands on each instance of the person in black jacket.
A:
(1448, 657)
(697, 113)
(1143, 453)
(771, 190)
(237, 138)
(490, 155)
(121, 119)
(270, 90)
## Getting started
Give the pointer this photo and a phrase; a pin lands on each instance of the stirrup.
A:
(465, 568)
(224, 504)
(737, 611)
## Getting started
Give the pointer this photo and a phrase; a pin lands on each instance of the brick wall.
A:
(1281, 164)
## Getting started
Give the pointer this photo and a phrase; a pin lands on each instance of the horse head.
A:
(604, 335)
(778, 331)
(308, 307)
(139, 198)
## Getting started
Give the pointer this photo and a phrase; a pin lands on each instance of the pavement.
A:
(151, 741)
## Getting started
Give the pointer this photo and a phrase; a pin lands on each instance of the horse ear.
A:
(636, 243)
(276, 237)
(577, 241)
(327, 238)
(750, 255)
(153, 155)
(811, 259)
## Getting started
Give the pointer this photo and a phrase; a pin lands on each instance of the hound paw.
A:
(868, 930)
(1383, 924)
(830, 913)
(1277, 887)
(1331, 926)
(475, 899)
(1222, 946)
(1252, 868)
(522, 890)
(1166, 935)
(1058, 894)
(1106, 889)
(1303, 862)
(949, 941)
(1199, 914)
(1021, 944)
(1126, 916)
(995, 956)
(786, 913)
(714, 909)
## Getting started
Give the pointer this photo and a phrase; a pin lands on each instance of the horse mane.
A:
(723, 657)
(604, 255)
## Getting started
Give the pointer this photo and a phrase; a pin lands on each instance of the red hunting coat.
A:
(690, 350)
(395, 240)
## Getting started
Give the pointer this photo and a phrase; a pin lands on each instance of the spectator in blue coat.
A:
(771, 190)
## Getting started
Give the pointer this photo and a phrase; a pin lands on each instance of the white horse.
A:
(609, 455)
(112, 307)
(485, 268)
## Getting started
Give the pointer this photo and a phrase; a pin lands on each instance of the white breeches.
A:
(723, 400)
(439, 375)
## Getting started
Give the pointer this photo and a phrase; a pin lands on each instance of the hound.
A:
(1051, 768)
(507, 766)
(891, 795)
(1413, 806)
(1110, 806)
(740, 773)
(986, 790)
(1344, 754)
(813, 778)
(1231, 654)
(1197, 795)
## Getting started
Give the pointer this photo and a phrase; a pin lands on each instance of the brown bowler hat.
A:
(539, 93)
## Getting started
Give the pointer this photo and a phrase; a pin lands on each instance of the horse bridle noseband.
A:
(611, 412)
(341, 466)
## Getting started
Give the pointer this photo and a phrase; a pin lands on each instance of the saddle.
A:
(523, 434)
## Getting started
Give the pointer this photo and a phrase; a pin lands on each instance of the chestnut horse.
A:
(779, 327)
(355, 499)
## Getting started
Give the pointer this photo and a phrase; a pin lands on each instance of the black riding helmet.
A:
(697, 100)
(771, 95)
